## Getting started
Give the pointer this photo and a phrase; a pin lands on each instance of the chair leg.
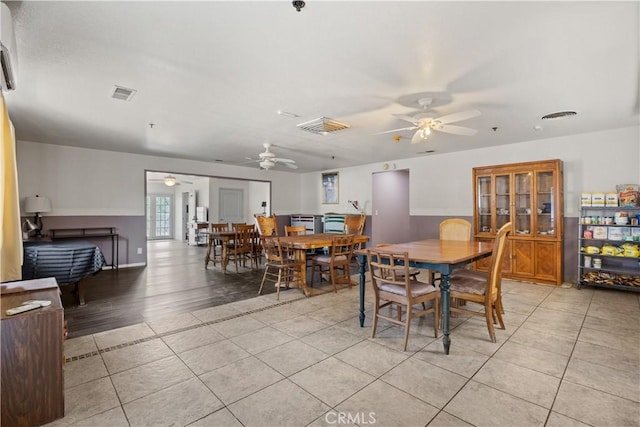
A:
(375, 317)
(278, 284)
(488, 311)
(499, 316)
(407, 326)
(264, 277)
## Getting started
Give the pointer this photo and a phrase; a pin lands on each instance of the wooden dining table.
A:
(433, 254)
(301, 244)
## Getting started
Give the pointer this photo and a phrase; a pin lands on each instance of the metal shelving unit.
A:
(597, 229)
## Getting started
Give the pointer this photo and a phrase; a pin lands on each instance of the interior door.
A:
(231, 205)
(390, 204)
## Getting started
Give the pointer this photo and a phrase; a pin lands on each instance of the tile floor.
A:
(568, 357)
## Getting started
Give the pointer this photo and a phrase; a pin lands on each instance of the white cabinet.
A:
(195, 237)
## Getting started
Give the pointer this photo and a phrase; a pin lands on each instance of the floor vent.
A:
(122, 93)
(323, 126)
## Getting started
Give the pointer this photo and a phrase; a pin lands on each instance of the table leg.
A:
(301, 257)
(361, 260)
(80, 290)
(444, 285)
(207, 257)
(225, 255)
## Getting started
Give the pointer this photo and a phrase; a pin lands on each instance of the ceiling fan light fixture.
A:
(426, 132)
(267, 164)
(169, 180)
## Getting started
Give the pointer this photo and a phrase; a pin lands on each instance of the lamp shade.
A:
(37, 204)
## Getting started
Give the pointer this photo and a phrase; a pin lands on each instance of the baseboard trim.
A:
(135, 264)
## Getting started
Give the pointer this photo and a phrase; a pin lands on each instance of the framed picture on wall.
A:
(330, 188)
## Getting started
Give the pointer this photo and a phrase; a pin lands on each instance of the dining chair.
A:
(452, 229)
(216, 244)
(354, 224)
(338, 263)
(267, 225)
(242, 248)
(393, 286)
(295, 230)
(481, 289)
(281, 268)
(413, 272)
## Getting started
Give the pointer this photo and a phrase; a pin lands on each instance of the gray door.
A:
(390, 207)
(231, 205)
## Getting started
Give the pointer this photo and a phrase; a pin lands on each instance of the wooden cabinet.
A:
(32, 355)
(530, 196)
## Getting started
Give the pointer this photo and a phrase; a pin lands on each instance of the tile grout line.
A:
(188, 328)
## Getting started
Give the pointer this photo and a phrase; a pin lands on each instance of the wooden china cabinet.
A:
(530, 196)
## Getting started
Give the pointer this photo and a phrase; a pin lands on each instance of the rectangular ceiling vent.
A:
(323, 126)
(122, 93)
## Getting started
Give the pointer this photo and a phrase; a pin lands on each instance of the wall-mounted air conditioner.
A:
(8, 59)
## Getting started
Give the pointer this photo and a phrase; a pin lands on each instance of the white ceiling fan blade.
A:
(457, 117)
(276, 159)
(456, 130)
(397, 130)
(408, 119)
(417, 137)
(291, 165)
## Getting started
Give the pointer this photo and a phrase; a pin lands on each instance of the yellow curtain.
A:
(11, 236)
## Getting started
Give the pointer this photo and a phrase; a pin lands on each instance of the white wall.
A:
(82, 181)
(442, 184)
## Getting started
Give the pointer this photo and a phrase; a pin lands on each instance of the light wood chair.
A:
(338, 264)
(393, 286)
(466, 286)
(267, 225)
(452, 229)
(281, 268)
(216, 244)
(413, 272)
(242, 248)
(354, 224)
(295, 230)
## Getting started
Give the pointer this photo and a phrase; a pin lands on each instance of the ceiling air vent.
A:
(323, 126)
(122, 93)
(559, 115)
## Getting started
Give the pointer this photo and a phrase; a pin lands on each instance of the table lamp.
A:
(37, 205)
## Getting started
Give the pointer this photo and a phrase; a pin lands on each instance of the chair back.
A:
(354, 224)
(389, 269)
(216, 228)
(295, 230)
(243, 241)
(272, 250)
(267, 225)
(455, 229)
(495, 270)
(342, 245)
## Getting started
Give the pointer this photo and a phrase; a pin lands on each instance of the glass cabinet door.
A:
(503, 200)
(484, 204)
(545, 209)
(523, 211)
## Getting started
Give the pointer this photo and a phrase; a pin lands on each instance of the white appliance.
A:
(202, 214)
(8, 58)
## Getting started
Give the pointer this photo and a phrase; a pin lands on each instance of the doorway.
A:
(390, 207)
(159, 208)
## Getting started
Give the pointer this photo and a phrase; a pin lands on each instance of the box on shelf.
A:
(597, 199)
(600, 233)
(629, 198)
(615, 233)
(611, 199)
(585, 199)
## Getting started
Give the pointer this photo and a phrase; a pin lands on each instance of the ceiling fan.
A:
(268, 159)
(169, 181)
(424, 123)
